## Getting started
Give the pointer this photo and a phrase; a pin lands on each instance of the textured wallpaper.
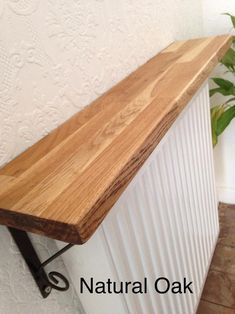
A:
(18, 292)
(55, 58)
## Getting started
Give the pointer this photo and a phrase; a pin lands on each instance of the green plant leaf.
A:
(222, 91)
(228, 60)
(214, 91)
(224, 119)
(232, 18)
(226, 88)
(222, 115)
(216, 112)
(226, 84)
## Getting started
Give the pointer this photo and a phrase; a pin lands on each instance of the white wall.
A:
(55, 58)
(224, 152)
(18, 292)
(213, 19)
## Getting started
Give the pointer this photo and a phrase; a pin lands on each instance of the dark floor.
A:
(218, 296)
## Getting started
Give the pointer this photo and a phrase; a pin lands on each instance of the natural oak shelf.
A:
(64, 185)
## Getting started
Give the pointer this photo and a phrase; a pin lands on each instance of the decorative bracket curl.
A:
(44, 282)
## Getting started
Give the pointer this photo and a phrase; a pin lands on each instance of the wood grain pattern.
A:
(4, 180)
(64, 185)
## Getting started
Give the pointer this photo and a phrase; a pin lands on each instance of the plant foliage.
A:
(222, 115)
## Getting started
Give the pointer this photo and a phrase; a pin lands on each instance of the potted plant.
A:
(222, 115)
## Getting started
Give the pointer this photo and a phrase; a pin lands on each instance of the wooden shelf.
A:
(64, 185)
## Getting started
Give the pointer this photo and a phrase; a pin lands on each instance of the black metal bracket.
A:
(44, 282)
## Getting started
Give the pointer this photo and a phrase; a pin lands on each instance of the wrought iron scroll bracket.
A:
(45, 282)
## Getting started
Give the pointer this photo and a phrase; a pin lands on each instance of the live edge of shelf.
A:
(64, 185)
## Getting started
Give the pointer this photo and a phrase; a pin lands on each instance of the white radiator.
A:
(165, 224)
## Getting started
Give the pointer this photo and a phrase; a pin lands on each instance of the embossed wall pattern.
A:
(55, 58)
